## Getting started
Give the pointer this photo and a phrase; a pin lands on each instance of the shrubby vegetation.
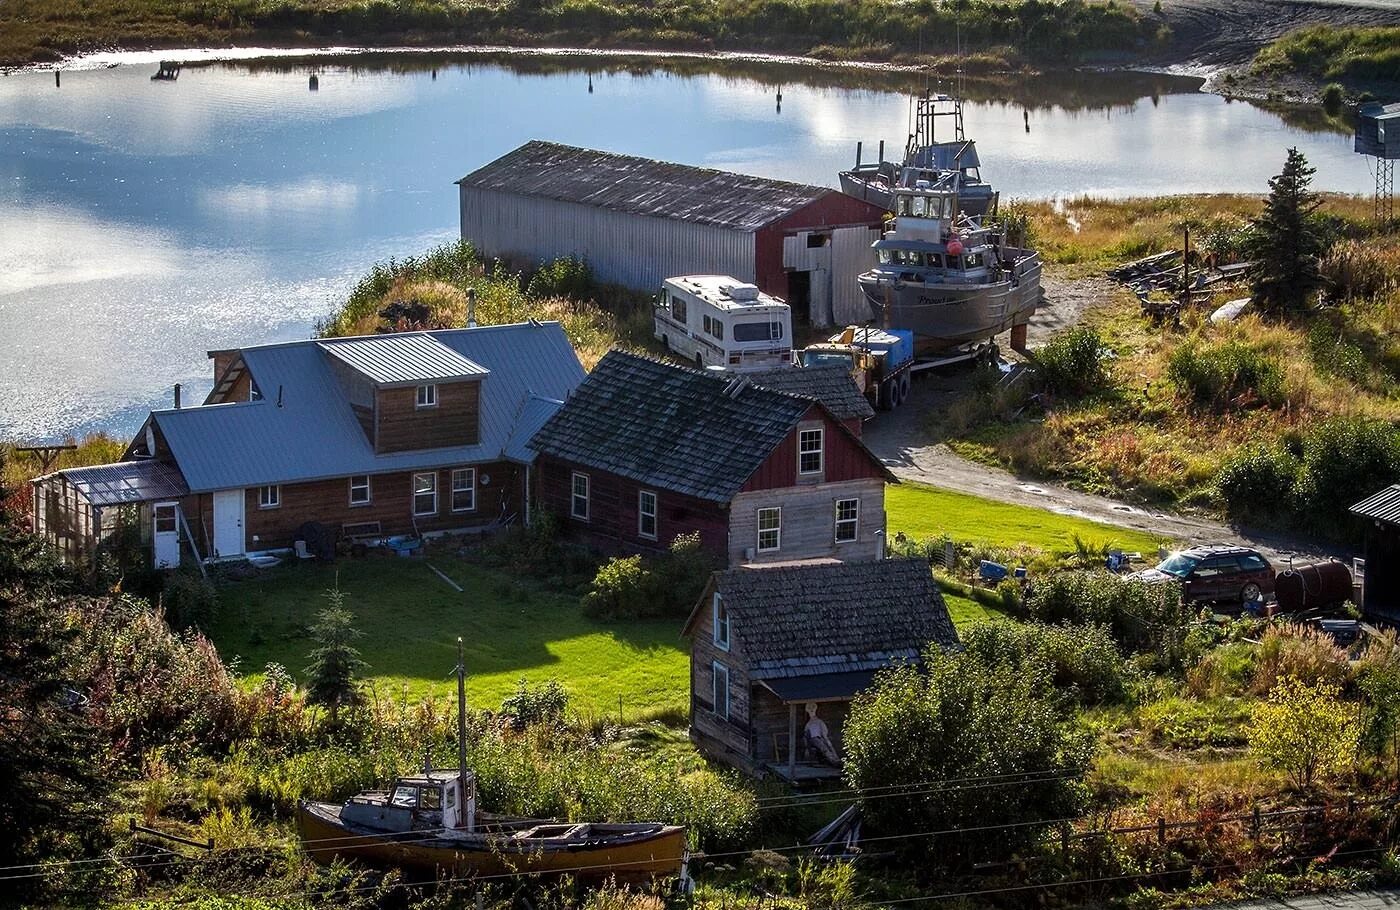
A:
(1148, 620)
(1352, 54)
(1075, 362)
(1081, 661)
(633, 587)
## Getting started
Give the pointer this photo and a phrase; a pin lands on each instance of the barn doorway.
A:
(799, 297)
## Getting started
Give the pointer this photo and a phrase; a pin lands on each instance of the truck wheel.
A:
(904, 388)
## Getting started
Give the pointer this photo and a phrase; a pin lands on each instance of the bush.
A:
(567, 277)
(1144, 619)
(1226, 376)
(1378, 678)
(964, 719)
(1074, 363)
(1083, 660)
(1226, 670)
(621, 590)
(1258, 483)
(667, 585)
(1306, 731)
(189, 600)
(1332, 97)
(1301, 653)
(527, 706)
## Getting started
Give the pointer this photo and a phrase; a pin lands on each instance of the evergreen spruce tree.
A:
(1287, 246)
(333, 679)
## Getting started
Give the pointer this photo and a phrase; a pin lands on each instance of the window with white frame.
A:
(847, 520)
(359, 490)
(269, 497)
(770, 529)
(464, 490)
(578, 500)
(720, 692)
(427, 396)
(721, 623)
(646, 514)
(425, 494)
(809, 451)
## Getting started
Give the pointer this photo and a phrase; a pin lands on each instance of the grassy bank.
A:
(993, 33)
(1351, 55)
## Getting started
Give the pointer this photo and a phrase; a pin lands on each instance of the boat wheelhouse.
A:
(715, 320)
(926, 158)
(944, 275)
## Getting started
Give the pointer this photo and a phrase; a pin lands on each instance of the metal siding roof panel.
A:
(126, 482)
(315, 434)
(402, 358)
(643, 186)
(1383, 506)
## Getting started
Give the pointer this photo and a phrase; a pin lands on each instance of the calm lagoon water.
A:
(143, 223)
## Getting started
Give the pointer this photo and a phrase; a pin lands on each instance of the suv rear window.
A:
(1253, 562)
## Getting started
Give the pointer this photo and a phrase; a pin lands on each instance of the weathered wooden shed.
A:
(638, 221)
(774, 646)
(1379, 575)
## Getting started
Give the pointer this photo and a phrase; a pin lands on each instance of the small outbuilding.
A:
(778, 652)
(1378, 575)
(638, 221)
(1378, 130)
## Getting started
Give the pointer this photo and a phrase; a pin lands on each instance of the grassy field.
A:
(921, 512)
(411, 619)
(1068, 31)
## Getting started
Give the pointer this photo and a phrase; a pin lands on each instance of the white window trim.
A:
(432, 397)
(760, 530)
(416, 493)
(717, 668)
(641, 513)
(837, 521)
(574, 496)
(275, 502)
(820, 450)
(368, 488)
(715, 605)
(455, 489)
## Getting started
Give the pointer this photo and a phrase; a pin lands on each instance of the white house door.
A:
(166, 535)
(228, 523)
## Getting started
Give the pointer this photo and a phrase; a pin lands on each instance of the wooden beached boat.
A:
(429, 823)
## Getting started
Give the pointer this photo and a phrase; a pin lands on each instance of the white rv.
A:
(714, 320)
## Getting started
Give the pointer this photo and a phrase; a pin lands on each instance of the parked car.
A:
(1208, 574)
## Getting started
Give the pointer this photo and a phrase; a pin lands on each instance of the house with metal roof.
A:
(778, 653)
(404, 434)
(645, 450)
(638, 221)
(1378, 573)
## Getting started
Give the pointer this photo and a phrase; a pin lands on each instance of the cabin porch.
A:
(786, 711)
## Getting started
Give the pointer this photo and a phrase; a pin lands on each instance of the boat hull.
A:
(946, 315)
(623, 852)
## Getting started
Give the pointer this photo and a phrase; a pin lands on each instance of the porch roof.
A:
(819, 687)
(125, 482)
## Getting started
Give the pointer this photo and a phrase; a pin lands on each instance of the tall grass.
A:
(1330, 52)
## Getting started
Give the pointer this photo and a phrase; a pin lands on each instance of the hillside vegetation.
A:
(1347, 54)
(1067, 31)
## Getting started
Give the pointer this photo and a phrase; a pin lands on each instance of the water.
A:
(144, 223)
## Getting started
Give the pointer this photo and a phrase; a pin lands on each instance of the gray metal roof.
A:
(125, 482)
(403, 359)
(1383, 506)
(534, 411)
(314, 434)
(643, 186)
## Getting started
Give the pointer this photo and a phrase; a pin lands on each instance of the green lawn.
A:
(411, 619)
(922, 512)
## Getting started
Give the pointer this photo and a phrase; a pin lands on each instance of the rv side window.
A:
(717, 329)
(678, 308)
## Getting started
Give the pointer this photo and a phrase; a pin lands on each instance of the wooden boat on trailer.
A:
(429, 823)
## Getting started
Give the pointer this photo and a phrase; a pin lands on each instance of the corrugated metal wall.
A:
(632, 250)
(850, 255)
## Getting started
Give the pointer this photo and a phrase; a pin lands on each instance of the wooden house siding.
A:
(722, 736)
(612, 523)
(391, 504)
(842, 458)
(808, 522)
(402, 426)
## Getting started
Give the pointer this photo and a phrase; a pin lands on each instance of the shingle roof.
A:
(642, 186)
(1383, 506)
(126, 482)
(804, 618)
(833, 386)
(315, 435)
(403, 359)
(698, 433)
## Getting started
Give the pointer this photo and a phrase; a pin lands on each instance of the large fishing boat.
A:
(429, 822)
(926, 158)
(944, 275)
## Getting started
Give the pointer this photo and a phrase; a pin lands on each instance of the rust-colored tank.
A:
(1314, 586)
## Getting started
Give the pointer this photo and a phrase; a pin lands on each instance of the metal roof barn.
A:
(637, 221)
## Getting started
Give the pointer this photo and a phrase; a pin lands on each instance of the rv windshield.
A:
(757, 331)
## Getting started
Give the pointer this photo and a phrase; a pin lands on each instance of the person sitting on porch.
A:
(818, 737)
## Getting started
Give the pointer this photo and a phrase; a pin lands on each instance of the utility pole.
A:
(461, 714)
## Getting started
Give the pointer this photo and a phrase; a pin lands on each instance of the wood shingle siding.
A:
(402, 426)
(809, 522)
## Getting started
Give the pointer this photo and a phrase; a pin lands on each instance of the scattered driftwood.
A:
(1188, 280)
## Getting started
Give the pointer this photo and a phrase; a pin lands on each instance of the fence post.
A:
(1258, 823)
(1064, 839)
(1161, 830)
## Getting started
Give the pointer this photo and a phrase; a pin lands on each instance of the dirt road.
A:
(1213, 33)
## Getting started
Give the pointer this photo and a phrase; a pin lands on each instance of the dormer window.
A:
(721, 623)
(427, 396)
(809, 451)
